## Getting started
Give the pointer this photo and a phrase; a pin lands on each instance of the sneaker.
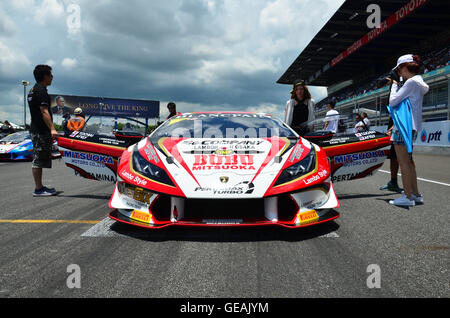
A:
(392, 186)
(44, 192)
(403, 201)
(417, 198)
(52, 190)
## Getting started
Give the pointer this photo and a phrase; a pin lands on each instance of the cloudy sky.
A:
(202, 54)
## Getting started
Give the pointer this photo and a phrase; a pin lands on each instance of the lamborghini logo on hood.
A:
(224, 152)
(224, 179)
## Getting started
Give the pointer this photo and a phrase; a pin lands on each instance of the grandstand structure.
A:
(352, 60)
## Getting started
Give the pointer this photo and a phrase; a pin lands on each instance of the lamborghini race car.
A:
(18, 147)
(224, 169)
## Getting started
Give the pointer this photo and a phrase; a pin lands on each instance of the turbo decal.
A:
(241, 188)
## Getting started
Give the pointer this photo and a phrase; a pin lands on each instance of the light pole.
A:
(25, 84)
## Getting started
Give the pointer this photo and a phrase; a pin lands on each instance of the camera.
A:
(393, 75)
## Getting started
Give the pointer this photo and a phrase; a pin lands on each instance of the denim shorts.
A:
(397, 138)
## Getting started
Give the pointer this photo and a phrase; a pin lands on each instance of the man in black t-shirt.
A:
(42, 130)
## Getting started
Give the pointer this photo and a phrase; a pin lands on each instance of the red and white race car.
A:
(224, 169)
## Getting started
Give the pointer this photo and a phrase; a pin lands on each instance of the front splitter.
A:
(119, 217)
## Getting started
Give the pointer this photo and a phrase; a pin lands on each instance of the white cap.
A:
(404, 59)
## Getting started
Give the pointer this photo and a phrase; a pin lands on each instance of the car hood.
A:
(224, 168)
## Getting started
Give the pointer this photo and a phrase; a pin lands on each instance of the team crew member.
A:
(359, 126)
(414, 89)
(172, 107)
(77, 123)
(42, 130)
(64, 123)
(332, 118)
(299, 111)
(365, 121)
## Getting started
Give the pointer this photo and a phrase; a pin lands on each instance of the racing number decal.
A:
(142, 196)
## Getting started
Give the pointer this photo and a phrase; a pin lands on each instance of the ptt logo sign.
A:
(427, 138)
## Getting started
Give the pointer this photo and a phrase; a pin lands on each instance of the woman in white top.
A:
(414, 88)
(299, 110)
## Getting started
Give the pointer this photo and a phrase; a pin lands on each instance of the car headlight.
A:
(299, 169)
(149, 170)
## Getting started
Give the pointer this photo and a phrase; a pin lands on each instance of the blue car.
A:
(18, 146)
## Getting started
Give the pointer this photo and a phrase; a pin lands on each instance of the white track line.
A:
(422, 179)
(101, 229)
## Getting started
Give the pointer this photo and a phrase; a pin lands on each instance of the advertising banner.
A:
(99, 106)
(436, 133)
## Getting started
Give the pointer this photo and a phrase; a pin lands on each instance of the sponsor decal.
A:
(338, 140)
(316, 177)
(214, 145)
(141, 216)
(224, 115)
(224, 221)
(96, 176)
(89, 157)
(365, 135)
(348, 177)
(297, 153)
(110, 141)
(132, 177)
(345, 159)
(240, 188)
(151, 154)
(142, 195)
(81, 135)
(307, 217)
(216, 162)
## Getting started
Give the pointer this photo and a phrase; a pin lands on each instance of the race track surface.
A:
(41, 237)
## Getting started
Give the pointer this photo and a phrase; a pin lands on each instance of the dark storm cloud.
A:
(214, 54)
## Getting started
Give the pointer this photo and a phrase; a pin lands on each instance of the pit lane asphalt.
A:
(411, 246)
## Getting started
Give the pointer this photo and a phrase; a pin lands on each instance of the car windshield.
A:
(224, 125)
(16, 137)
